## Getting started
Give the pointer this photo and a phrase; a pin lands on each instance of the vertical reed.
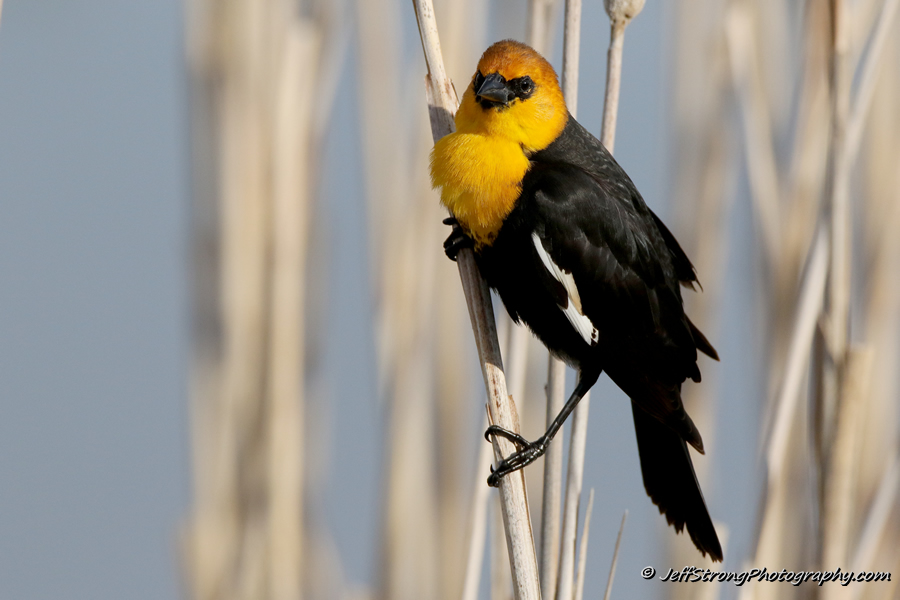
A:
(257, 132)
(843, 43)
(442, 105)
(565, 578)
(702, 154)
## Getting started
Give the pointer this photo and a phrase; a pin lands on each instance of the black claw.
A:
(512, 436)
(457, 240)
(530, 452)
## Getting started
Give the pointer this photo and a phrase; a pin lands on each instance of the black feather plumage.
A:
(628, 269)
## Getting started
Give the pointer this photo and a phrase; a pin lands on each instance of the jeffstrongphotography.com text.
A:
(689, 574)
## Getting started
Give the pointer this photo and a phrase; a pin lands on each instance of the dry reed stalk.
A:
(746, 39)
(565, 584)
(753, 69)
(762, 172)
(750, 37)
(291, 198)
(500, 580)
(615, 559)
(786, 453)
(540, 24)
(524, 382)
(517, 359)
(400, 225)
(840, 433)
(851, 388)
(463, 23)
(571, 54)
(876, 471)
(805, 175)
(248, 63)
(499, 555)
(831, 348)
(791, 334)
(868, 78)
(809, 306)
(478, 525)
(409, 554)
(873, 530)
(838, 311)
(574, 478)
(215, 530)
(803, 190)
(501, 585)
(881, 253)
(620, 13)
(551, 506)
(831, 354)
(442, 105)
(423, 372)
(839, 492)
(704, 150)
(582, 549)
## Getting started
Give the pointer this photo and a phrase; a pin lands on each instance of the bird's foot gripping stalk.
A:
(457, 240)
(528, 453)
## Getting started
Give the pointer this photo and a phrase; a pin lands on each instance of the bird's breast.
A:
(480, 179)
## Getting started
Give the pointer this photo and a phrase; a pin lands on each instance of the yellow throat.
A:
(480, 179)
(480, 167)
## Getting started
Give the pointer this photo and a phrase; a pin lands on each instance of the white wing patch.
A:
(573, 311)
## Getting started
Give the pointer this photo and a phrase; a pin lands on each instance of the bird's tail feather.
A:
(701, 342)
(671, 483)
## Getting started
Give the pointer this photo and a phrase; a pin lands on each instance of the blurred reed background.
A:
(786, 111)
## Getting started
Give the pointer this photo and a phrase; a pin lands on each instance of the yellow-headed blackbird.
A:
(563, 236)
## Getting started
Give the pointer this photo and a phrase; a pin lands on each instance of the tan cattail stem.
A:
(442, 104)
(552, 497)
(615, 559)
(583, 547)
(620, 13)
(565, 583)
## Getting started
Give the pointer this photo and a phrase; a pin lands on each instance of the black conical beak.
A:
(494, 88)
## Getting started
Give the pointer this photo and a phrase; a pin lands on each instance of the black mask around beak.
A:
(494, 89)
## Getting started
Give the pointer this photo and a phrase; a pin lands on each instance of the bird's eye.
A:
(523, 86)
(479, 79)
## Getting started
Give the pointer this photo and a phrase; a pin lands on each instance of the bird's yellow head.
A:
(512, 108)
(515, 95)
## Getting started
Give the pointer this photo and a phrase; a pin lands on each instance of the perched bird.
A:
(562, 234)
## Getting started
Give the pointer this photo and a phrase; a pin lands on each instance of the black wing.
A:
(594, 224)
(580, 223)
(579, 148)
